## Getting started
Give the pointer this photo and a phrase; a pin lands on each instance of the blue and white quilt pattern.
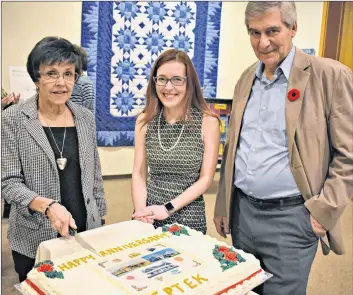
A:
(123, 39)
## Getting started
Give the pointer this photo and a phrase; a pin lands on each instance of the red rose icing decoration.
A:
(230, 256)
(293, 94)
(45, 268)
(223, 249)
(174, 228)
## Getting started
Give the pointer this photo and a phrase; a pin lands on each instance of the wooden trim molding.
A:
(333, 30)
(323, 28)
(338, 47)
(336, 39)
(346, 47)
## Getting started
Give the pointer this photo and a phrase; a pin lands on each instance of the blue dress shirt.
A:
(262, 159)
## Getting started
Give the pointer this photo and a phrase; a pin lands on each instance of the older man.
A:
(286, 173)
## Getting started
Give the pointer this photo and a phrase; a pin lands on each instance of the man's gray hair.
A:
(287, 9)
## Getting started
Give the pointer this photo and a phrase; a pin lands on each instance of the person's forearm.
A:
(39, 204)
(192, 193)
(139, 192)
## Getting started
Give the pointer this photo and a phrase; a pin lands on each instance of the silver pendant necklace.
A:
(60, 161)
(159, 134)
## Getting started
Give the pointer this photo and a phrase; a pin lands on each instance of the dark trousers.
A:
(23, 265)
(281, 237)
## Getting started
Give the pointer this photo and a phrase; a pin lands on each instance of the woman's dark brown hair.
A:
(193, 96)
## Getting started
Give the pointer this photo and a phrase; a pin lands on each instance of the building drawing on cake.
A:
(161, 255)
(155, 270)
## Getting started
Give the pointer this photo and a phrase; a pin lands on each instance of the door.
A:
(337, 32)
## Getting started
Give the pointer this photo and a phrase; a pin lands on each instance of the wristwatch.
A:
(170, 208)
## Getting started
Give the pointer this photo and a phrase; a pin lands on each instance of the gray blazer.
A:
(28, 170)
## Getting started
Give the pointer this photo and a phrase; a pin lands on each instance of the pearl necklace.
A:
(159, 134)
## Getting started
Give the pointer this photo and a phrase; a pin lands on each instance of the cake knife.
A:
(81, 241)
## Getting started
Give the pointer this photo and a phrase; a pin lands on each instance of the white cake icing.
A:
(74, 281)
(155, 263)
(131, 230)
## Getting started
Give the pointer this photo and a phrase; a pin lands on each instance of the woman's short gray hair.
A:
(287, 9)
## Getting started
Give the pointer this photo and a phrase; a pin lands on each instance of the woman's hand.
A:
(142, 215)
(146, 219)
(61, 219)
(157, 212)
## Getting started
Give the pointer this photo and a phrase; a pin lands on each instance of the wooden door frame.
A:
(331, 29)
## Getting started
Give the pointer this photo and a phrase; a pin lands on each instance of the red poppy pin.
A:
(293, 94)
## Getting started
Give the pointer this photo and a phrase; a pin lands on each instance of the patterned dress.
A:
(172, 172)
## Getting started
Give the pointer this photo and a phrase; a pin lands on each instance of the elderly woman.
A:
(50, 167)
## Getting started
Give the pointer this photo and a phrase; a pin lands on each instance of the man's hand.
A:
(318, 228)
(222, 226)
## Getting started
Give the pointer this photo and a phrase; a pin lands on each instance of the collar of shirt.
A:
(284, 67)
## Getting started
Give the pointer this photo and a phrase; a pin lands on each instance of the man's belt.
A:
(274, 203)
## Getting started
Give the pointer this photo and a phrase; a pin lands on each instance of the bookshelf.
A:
(222, 107)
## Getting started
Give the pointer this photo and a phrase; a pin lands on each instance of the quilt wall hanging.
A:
(123, 39)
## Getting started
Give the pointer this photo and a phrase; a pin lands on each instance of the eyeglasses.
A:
(163, 81)
(53, 76)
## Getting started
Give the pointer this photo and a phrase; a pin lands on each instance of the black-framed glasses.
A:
(53, 76)
(163, 81)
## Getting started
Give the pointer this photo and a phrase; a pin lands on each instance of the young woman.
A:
(177, 138)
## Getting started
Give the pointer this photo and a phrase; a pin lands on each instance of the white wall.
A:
(309, 25)
(236, 53)
(25, 23)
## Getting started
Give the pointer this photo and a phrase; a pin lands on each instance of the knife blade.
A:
(81, 241)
